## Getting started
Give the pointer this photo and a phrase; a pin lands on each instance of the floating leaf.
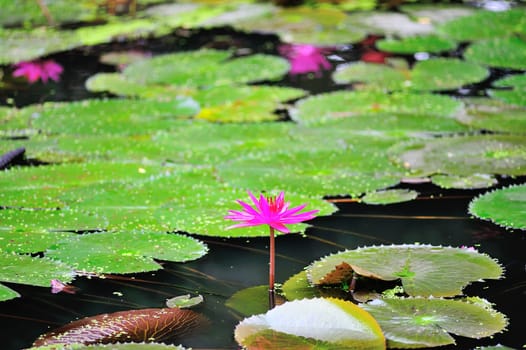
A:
(414, 44)
(436, 12)
(125, 252)
(484, 25)
(117, 116)
(298, 287)
(311, 323)
(505, 207)
(7, 293)
(30, 242)
(495, 115)
(465, 155)
(508, 52)
(143, 325)
(206, 68)
(184, 301)
(40, 221)
(424, 270)
(250, 301)
(344, 104)
(516, 95)
(24, 269)
(464, 182)
(389, 196)
(391, 24)
(424, 323)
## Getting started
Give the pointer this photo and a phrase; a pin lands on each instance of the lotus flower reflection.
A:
(304, 58)
(35, 70)
(274, 212)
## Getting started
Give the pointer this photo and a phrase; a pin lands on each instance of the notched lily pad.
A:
(505, 207)
(311, 323)
(424, 323)
(423, 269)
(144, 325)
(507, 52)
(464, 182)
(389, 196)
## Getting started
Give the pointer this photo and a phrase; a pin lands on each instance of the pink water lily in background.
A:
(274, 212)
(35, 70)
(305, 58)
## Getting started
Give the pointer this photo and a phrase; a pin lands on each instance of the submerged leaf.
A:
(310, 324)
(143, 325)
(424, 323)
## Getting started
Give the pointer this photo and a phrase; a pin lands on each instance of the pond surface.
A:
(437, 217)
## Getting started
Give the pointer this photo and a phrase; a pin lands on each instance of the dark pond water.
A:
(437, 217)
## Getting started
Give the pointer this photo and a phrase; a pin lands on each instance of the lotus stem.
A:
(271, 294)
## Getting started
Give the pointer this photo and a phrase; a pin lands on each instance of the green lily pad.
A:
(205, 68)
(507, 52)
(40, 221)
(464, 182)
(30, 242)
(125, 252)
(25, 269)
(19, 45)
(7, 293)
(119, 116)
(484, 25)
(344, 104)
(338, 325)
(423, 269)
(414, 44)
(184, 301)
(389, 196)
(504, 207)
(465, 155)
(249, 301)
(113, 346)
(431, 75)
(425, 323)
(298, 287)
(516, 95)
(494, 115)
(14, 125)
(307, 25)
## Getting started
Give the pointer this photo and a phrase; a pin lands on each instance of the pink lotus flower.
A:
(35, 70)
(57, 287)
(304, 58)
(272, 211)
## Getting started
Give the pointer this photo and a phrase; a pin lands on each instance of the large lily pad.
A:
(494, 115)
(423, 269)
(507, 52)
(465, 155)
(125, 252)
(116, 116)
(392, 24)
(206, 68)
(414, 44)
(311, 323)
(343, 104)
(516, 92)
(505, 207)
(41, 221)
(484, 25)
(464, 182)
(30, 242)
(425, 323)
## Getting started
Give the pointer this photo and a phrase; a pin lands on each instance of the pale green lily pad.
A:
(18, 45)
(25, 269)
(484, 25)
(113, 346)
(495, 347)
(504, 207)
(118, 116)
(125, 252)
(464, 182)
(311, 323)
(425, 270)
(123, 58)
(344, 104)
(389, 196)
(13, 125)
(184, 301)
(249, 301)
(306, 25)
(465, 155)
(507, 52)
(391, 24)
(517, 94)
(7, 293)
(414, 44)
(241, 12)
(425, 323)
(494, 115)
(205, 68)
(30, 242)
(431, 75)
(437, 12)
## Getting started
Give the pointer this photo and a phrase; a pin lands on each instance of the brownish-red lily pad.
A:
(144, 325)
